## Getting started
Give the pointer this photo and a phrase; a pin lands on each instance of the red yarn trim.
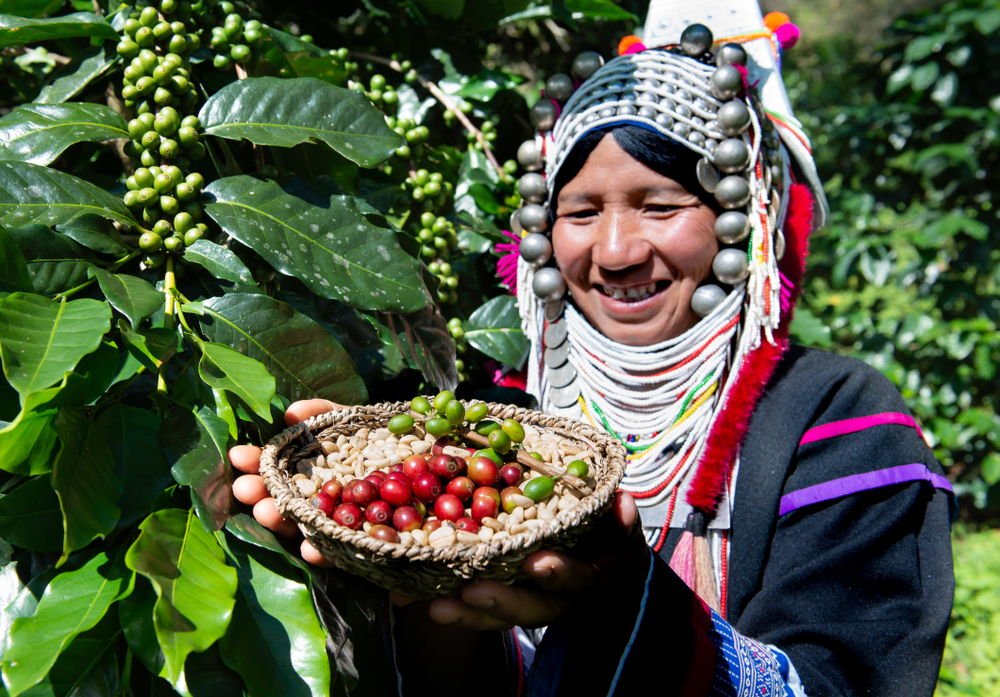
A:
(728, 432)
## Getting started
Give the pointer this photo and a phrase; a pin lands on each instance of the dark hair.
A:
(660, 154)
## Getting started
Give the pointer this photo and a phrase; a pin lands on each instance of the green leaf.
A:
(289, 43)
(73, 603)
(151, 347)
(13, 266)
(35, 194)
(130, 295)
(226, 369)
(327, 242)
(28, 433)
(600, 10)
(425, 343)
(73, 78)
(26, 8)
(140, 463)
(15, 31)
(275, 640)
(80, 386)
(924, 76)
(285, 112)
(194, 587)
(30, 517)
(218, 261)
(196, 443)
(305, 361)
(95, 232)
(991, 468)
(88, 666)
(83, 476)
(39, 133)
(55, 262)
(41, 339)
(495, 329)
(135, 613)
(449, 9)
(809, 329)
(250, 531)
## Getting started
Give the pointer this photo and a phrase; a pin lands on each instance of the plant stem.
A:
(445, 101)
(169, 285)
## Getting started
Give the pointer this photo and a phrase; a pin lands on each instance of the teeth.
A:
(651, 288)
(618, 294)
(633, 294)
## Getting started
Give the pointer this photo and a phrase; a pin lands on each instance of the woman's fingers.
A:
(245, 458)
(307, 408)
(266, 513)
(312, 555)
(250, 489)
(489, 605)
(558, 572)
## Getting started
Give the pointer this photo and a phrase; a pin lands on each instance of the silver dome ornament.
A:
(711, 145)
(731, 54)
(732, 227)
(532, 188)
(681, 130)
(535, 248)
(549, 284)
(779, 245)
(705, 299)
(696, 138)
(626, 110)
(731, 266)
(559, 87)
(683, 110)
(732, 192)
(515, 223)
(734, 117)
(543, 115)
(696, 40)
(586, 64)
(607, 112)
(727, 82)
(529, 156)
(647, 112)
(732, 155)
(668, 103)
(708, 176)
(664, 120)
(534, 218)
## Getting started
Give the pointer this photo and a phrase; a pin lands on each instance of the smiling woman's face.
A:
(633, 246)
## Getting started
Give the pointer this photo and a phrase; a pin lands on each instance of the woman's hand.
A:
(250, 489)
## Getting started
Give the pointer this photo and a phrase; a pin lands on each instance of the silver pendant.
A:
(562, 376)
(554, 310)
(564, 397)
(555, 357)
(708, 176)
(556, 333)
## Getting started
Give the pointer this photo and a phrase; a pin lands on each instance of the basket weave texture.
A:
(421, 571)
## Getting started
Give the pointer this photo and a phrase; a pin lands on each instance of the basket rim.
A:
(313, 521)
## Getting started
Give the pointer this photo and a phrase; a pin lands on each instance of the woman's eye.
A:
(580, 214)
(661, 208)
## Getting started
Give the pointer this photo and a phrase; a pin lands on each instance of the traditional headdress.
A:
(681, 407)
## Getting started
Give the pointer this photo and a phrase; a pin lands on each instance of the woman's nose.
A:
(618, 244)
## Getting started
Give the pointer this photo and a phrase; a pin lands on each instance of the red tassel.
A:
(682, 560)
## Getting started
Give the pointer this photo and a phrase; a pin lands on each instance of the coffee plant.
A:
(206, 214)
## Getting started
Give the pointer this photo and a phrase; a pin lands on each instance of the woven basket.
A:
(423, 571)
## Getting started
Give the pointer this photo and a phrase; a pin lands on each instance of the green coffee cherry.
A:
(150, 242)
(400, 424)
(442, 399)
(514, 430)
(476, 413)
(438, 426)
(193, 235)
(163, 183)
(173, 244)
(485, 428)
(162, 228)
(420, 405)
(455, 412)
(183, 222)
(169, 205)
(539, 488)
(578, 468)
(500, 441)
(491, 454)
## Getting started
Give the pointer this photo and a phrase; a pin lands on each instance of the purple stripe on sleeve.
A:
(842, 428)
(855, 483)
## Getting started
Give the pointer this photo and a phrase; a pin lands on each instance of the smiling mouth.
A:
(633, 294)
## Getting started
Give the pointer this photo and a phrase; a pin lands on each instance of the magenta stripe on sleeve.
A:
(845, 486)
(842, 428)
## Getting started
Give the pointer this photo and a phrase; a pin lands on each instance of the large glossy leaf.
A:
(35, 194)
(80, 386)
(130, 295)
(54, 261)
(247, 529)
(225, 369)
(83, 477)
(95, 232)
(15, 31)
(285, 112)
(305, 361)
(72, 79)
(136, 616)
(13, 266)
(218, 261)
(133, 435)
(495, 329)
(39, 133)
(275, 640)
(87, 667)
(41, 339)
(326, 242)
(11, 585)
(30, 516)
(194, 587)
(27, 443)
(196, 443)
(73, 603)
(151, 347)
(26, 8)
(423, 340)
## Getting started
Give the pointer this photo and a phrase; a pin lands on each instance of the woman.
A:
(794, 535)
